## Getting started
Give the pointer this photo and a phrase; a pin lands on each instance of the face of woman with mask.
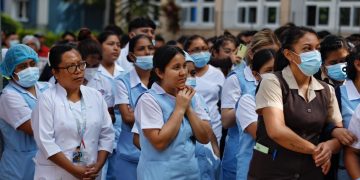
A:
(334, 50)
(199, 51)
(142, 52)
(191, 77)
(305, 54)
(26, 74)
(263, 62)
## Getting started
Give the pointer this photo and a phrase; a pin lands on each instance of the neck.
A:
(201, 71)
(301, 78)
(357, 82)
(109, 66)
(144, 75)
(170, 90)
(73, 95)
(32, 90)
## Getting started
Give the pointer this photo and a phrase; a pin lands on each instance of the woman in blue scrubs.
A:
(167, 121)
(17, 101)
(128, 88)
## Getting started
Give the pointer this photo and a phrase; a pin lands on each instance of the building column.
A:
(285, 11)
(42, 16)
(218, 19)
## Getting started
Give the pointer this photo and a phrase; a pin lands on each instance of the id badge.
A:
(79, 156)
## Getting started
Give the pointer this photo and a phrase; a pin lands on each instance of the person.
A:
(209, 80)
(223, 53)
(128, 88)
(44, 50)
(350, 100)
(288, 102)
(71, 123)
(159, 41)
(246, 117)
(91, 52)
(11, 39)
(168, 121)
(208, 155)
(69, 37)
(352, 152)
(137, 26)
(34, 43)
(108, 69)
(232, 90)
(334, 50)
(17, 101)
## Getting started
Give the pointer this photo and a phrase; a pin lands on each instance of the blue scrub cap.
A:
(16, 55)
(188, 58)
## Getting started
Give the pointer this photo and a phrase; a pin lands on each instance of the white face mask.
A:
(90, 73)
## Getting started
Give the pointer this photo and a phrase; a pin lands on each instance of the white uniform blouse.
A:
(55, 129)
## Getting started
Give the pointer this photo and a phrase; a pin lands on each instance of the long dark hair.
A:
(134, 40)
(262, 57)
(290, 37)
(332, 43)
(350, 69)
(161, 59)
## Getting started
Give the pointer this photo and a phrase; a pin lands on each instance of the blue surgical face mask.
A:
(191, 81)
(337, 71)
(153, 42)
(28, 77)
(144, 62)
(13, 42)
(310, 62)
(201, 59)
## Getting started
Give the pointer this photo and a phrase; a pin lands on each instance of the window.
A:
(345, 16)
(311, 14)
(356, 20)
(317, 15)
(271, 15)
(323, 16)
(241, 15)
(22, 11)
(247, 14)
(195, 12)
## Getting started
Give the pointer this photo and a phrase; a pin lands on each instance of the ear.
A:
(159, 73)
(131, 57)
(290, 56)
(250, 54)
(53, 71)
(256, 75)
(357, 65)
(132, 34)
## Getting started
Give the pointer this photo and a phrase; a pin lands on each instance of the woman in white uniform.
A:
(209, 80)
(71, 124)
(17, 101)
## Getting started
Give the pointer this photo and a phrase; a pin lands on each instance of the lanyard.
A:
(81, 126)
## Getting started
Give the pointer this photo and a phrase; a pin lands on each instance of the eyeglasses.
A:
(72, 68)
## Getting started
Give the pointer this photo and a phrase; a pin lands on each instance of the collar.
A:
(38, 88)
(290, 79)
(134, 78)
(351, 90)
(249, 76)
(157, 88)
(118, 71)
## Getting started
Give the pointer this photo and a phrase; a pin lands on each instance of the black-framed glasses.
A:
(72, 68)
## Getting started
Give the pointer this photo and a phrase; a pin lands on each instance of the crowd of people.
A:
(264, 104)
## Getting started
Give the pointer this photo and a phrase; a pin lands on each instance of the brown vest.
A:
(306, 119)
